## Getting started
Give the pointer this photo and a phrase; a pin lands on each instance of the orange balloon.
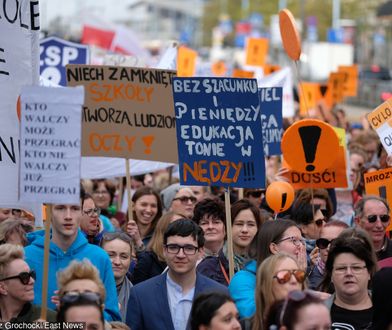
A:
(290, 36)
(279, 196)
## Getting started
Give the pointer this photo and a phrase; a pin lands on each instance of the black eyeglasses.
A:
(90, 212)
(373, 218)
(24, 277)
(187, 249)
(185, 199)
(295, 296)
(323, 243)
(284, 276)
(295, 240)
(72, 297)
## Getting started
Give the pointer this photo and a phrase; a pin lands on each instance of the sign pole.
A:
(44, 304)
(128, 175)
(230, 251)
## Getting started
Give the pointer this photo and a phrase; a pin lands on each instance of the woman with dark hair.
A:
(317, 196)
(147, 209)
(90, 222)
(350, 267)
(274, 236)
(301, 310)
(214, 311)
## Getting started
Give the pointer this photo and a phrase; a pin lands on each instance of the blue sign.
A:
(218, 132)
(55, 54)
(271, 119)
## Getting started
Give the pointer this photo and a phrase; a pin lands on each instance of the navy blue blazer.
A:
(148, 305)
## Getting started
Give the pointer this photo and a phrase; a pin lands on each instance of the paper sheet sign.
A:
(218, 128)
(333, 177)
(50, 144)
(379, 183)
(128, 112)
(256, 51)
(310, 145)
(186, 62)
(381, 121)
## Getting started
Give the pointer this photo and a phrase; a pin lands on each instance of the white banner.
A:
(19, 66)
(282, 78)
(51, 144)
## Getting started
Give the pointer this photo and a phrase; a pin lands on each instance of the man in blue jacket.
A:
(68, 243)
(164, 301)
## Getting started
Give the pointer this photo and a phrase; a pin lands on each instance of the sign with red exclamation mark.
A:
(256, 51)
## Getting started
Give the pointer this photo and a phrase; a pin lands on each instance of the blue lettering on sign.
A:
(271, 119)
(55, 54)
(218, 132)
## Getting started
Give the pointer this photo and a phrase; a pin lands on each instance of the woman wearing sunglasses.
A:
(17, 287)
(319, 255)
(274, 236)
(350, 266)
(90, 222)
(301, 310)
(276, 277)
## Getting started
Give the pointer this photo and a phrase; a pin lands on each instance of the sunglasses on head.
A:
(284, 276)
(72, 297)
(185, 199)
(323, 243)
(373, 218)
(24, 277)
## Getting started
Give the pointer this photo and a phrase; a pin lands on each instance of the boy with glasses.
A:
(165, 301)
(372, 215)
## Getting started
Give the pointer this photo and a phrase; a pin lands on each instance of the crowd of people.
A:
(325, 263)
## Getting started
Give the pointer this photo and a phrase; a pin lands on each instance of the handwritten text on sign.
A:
(271, 119)
(50, 144)
(218, 132)
(128, 112)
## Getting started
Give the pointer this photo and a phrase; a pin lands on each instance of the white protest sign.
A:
(381, 121)
(50, 144)
(19, 66)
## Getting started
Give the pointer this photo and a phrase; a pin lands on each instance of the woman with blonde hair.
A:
(276, 277)
(17, 287)
(14, 231)
(152, 261)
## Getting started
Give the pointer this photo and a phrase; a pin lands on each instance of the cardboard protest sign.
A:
(350, 86)
(271, 119)
(55, 54)
(381, 121)
(218, 130)
(19, 66)
(335, 176)
(186, 62)
(50, 144)
(128, 112)
(238, 73)
(310, 145)
(335, 88)
(379, 183)
(256, 51)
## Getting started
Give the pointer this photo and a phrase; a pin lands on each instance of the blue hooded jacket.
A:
(58, 260)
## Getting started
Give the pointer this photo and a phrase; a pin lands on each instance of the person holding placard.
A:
(67, 244)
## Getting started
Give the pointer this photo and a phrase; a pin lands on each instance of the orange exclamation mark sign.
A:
(148, 142)
(255, 52)
(310, 136)
(284, 199)
(382, 191)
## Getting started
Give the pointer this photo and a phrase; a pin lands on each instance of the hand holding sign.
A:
(279, 196)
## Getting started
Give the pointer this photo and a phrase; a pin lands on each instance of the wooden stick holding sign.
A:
(128, 178)
(44, 303)
(230, 251)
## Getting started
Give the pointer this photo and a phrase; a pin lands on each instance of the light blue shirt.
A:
(180, 304)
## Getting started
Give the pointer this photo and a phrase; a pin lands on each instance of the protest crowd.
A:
(258, 221)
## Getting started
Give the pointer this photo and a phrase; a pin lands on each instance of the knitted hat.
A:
(168, 194)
